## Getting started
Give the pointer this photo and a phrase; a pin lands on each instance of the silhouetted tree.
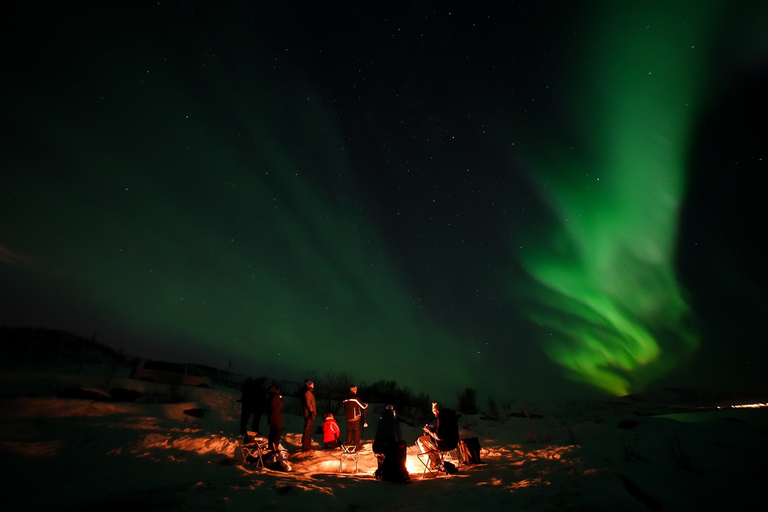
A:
(468, 401)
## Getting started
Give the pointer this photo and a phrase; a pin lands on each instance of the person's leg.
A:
(356, 432)
(306, 436)
(274, 437)
(278, 436)
(427, 445)
(244, 413)
(350, 438)
(256, 420)
(272, 434)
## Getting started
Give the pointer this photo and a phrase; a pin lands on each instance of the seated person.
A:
(442, 437)
(390, 449)
(331, 432)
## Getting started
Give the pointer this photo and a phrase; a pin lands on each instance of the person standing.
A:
(252, 403)
(275, 417)
(310, 413)
(354, 409)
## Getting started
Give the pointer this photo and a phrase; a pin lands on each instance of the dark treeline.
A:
(52, 345)
(46, 346)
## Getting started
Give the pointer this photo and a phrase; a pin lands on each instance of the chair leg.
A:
(428, 462)
(348, 452)
(451, 455)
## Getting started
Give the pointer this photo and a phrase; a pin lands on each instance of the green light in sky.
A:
(606, 293)
(237, 237)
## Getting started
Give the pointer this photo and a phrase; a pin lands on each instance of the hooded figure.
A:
(331, 432)
(390, 449)
(388, 428)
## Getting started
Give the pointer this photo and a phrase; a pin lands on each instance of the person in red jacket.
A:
(331, 432)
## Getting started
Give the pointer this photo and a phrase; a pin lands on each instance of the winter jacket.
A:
(309, 407)
(253, 394)
(274, 406)
(331, 431)
(388, 428)
(447, 429)
(353, 407)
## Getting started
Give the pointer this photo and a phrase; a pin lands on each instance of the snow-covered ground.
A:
(85, 454)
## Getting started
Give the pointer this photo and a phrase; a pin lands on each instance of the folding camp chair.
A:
(441, 455)
(253, 448)
(349, 452)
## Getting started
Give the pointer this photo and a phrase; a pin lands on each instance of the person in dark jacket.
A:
(275, 417)
(252, 402)
(390, 449)
(354, 410)
(443, 436)
(387, 429)
(310, 413)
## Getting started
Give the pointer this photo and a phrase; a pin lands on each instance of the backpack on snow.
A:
(450, 468)
(277, 461)
(469, 451)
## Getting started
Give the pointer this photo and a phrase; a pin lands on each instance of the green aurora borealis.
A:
(252, 249)
(485, 197)
(610, 293)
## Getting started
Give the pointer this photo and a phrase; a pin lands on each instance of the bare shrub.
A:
(531, 437)
(629, 451)
(681, 457)
(333, 386)
(570, 435)
(468, 401)
(493, 409)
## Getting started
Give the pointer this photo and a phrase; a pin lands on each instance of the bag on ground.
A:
(392, 467)
(469, 451)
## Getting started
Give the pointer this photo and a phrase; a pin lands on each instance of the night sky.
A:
(535, 199)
